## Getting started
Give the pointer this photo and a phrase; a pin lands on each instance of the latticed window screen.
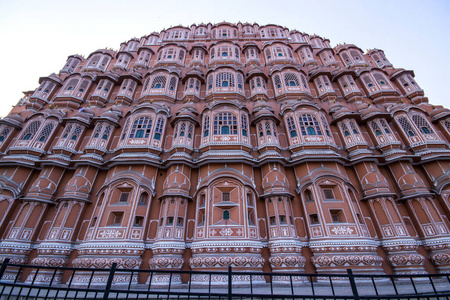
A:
(76, 133)
(31, 130)
(181, 55)
(380, 79)
(305, 85)
(309, 125)
(94, 60)
(406, 126)
(240, 81)
(344, 129)
(206, 126)
(291, 127)
(354, 127)
(277, 81)
(325, 125)
(447, 124)
(422, 124)
(356, 56)
(83, 85)
(141, 128)
(45, 133)
(172, 84)
(225, 79)
(290, 79)
(375, 128)
(159, 128)
(268, 128)
(210, 82)
(71, 84)
(268, 53)
(385, 126)
(225, 123)
(260, 130)
(67, 131)
(244, 125)
(368, 81)
(106, 133)
(346, 58)
(159, 82)
(182, 129)
(190, 131)
(4, 132)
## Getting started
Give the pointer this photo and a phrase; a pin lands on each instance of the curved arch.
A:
(135, 177)
(223, 173)
(319, 175)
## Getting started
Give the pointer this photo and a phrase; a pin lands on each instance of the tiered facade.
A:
(224, 145)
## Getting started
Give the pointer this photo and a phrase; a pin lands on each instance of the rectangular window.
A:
(180, 222)
(272, 221)
(328, 193)
(225, 196)
(314, 219)
(282, 219)
(138, 221)
(337, 216)
(169, 221)
(116, 218)
(124, 197)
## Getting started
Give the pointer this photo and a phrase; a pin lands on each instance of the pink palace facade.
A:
(203, 147)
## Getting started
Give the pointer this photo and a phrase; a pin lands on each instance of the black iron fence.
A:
(39, 282)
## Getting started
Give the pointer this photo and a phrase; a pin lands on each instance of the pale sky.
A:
(38, 36)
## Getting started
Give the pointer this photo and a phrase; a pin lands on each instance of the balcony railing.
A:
(38, 282)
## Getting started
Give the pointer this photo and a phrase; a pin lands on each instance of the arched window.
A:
(159, 82)
(244, 125)
(291, 127)
(309, 125)
(225, 79)
(141, 128)
(225, 123)
(4, 132)
(290, 79)
(159, 128)
(277, 81)
(206, 126)
(406, 126)
(422, 124)
(226, 215)
(45, 133)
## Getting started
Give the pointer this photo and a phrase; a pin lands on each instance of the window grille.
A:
(260, 130)
(97, 130)
(197, 84)
(291, 127)
(290, 79)
(268, 53)
(356, 56)
(447, 124)
(309, 125)
(181, 55)
(240, 81)
(422, 124)
(244, 125)
(305, 84)
(274, 129)
(172, 84)
(344, 129)
(328, 193)
(406, 126)
(4, 132)
(71, 84)
(45, 133)
(67, 131)
(106, 133)
(354, 127)
(76, 133)
(206, 126)
(268, 128)
(182, 129)
(190, 131)
(210, 81)
(94, 60)
(346, 58)
(375, 128)
(83, 86)
(225, 123)
(104, 62)
(31, 130)
(147, 81)
(141, 128)
(368, 81)
(325, 125)
(159, 82)
(159, 128)
(277, 81)
(385, 126)
(380, 79)
(225, 79)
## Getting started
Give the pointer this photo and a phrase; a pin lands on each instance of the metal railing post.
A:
(353, 284)
(109, 282)
(230, 282)
(3, 267)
